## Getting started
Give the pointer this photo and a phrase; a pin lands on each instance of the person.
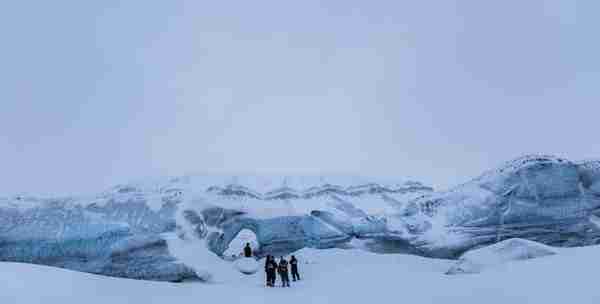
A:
(267, 261)
(294, 266)
(283, 273)
(248, 251)
(270, 271)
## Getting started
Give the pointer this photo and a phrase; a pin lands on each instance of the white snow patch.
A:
(477, 260)
(247, 265)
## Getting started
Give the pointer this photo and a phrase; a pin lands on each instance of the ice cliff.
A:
(541, 198)
(125, 231)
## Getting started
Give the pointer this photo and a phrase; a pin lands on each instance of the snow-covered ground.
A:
(330, 276)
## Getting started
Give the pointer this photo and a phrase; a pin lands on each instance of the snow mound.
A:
(246, 265)
(477, 260)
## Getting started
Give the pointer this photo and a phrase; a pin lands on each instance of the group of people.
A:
(272, 267)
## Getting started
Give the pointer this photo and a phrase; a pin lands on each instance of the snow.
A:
(329, 276)
(246, 266)
(478, 260)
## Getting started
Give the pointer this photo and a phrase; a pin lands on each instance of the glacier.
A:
(541, 198)
(125, 231)
(119, 239)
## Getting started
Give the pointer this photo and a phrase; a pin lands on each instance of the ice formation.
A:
(541, 198)
(129, 230)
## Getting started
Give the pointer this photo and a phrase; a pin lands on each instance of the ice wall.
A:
(173, 230)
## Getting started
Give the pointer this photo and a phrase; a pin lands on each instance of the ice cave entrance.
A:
(236, 247)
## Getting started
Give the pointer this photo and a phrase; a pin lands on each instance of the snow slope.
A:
(330, 276)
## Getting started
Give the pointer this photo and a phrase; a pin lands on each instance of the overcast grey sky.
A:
(95, 93)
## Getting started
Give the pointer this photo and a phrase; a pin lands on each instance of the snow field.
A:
(329, 276)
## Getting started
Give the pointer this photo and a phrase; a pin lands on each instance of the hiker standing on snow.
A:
(294, 265)
(273, 270)
(248, 251)
(283, 273)
(267, 261)
(270, 267)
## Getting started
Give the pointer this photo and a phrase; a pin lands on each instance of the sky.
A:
(96, 93)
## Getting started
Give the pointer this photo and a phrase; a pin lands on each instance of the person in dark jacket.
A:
(248, 251)
(270, 270)
(267, 272)
(273, 270)
(294, 266)
(283, 273)
(267, 259)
